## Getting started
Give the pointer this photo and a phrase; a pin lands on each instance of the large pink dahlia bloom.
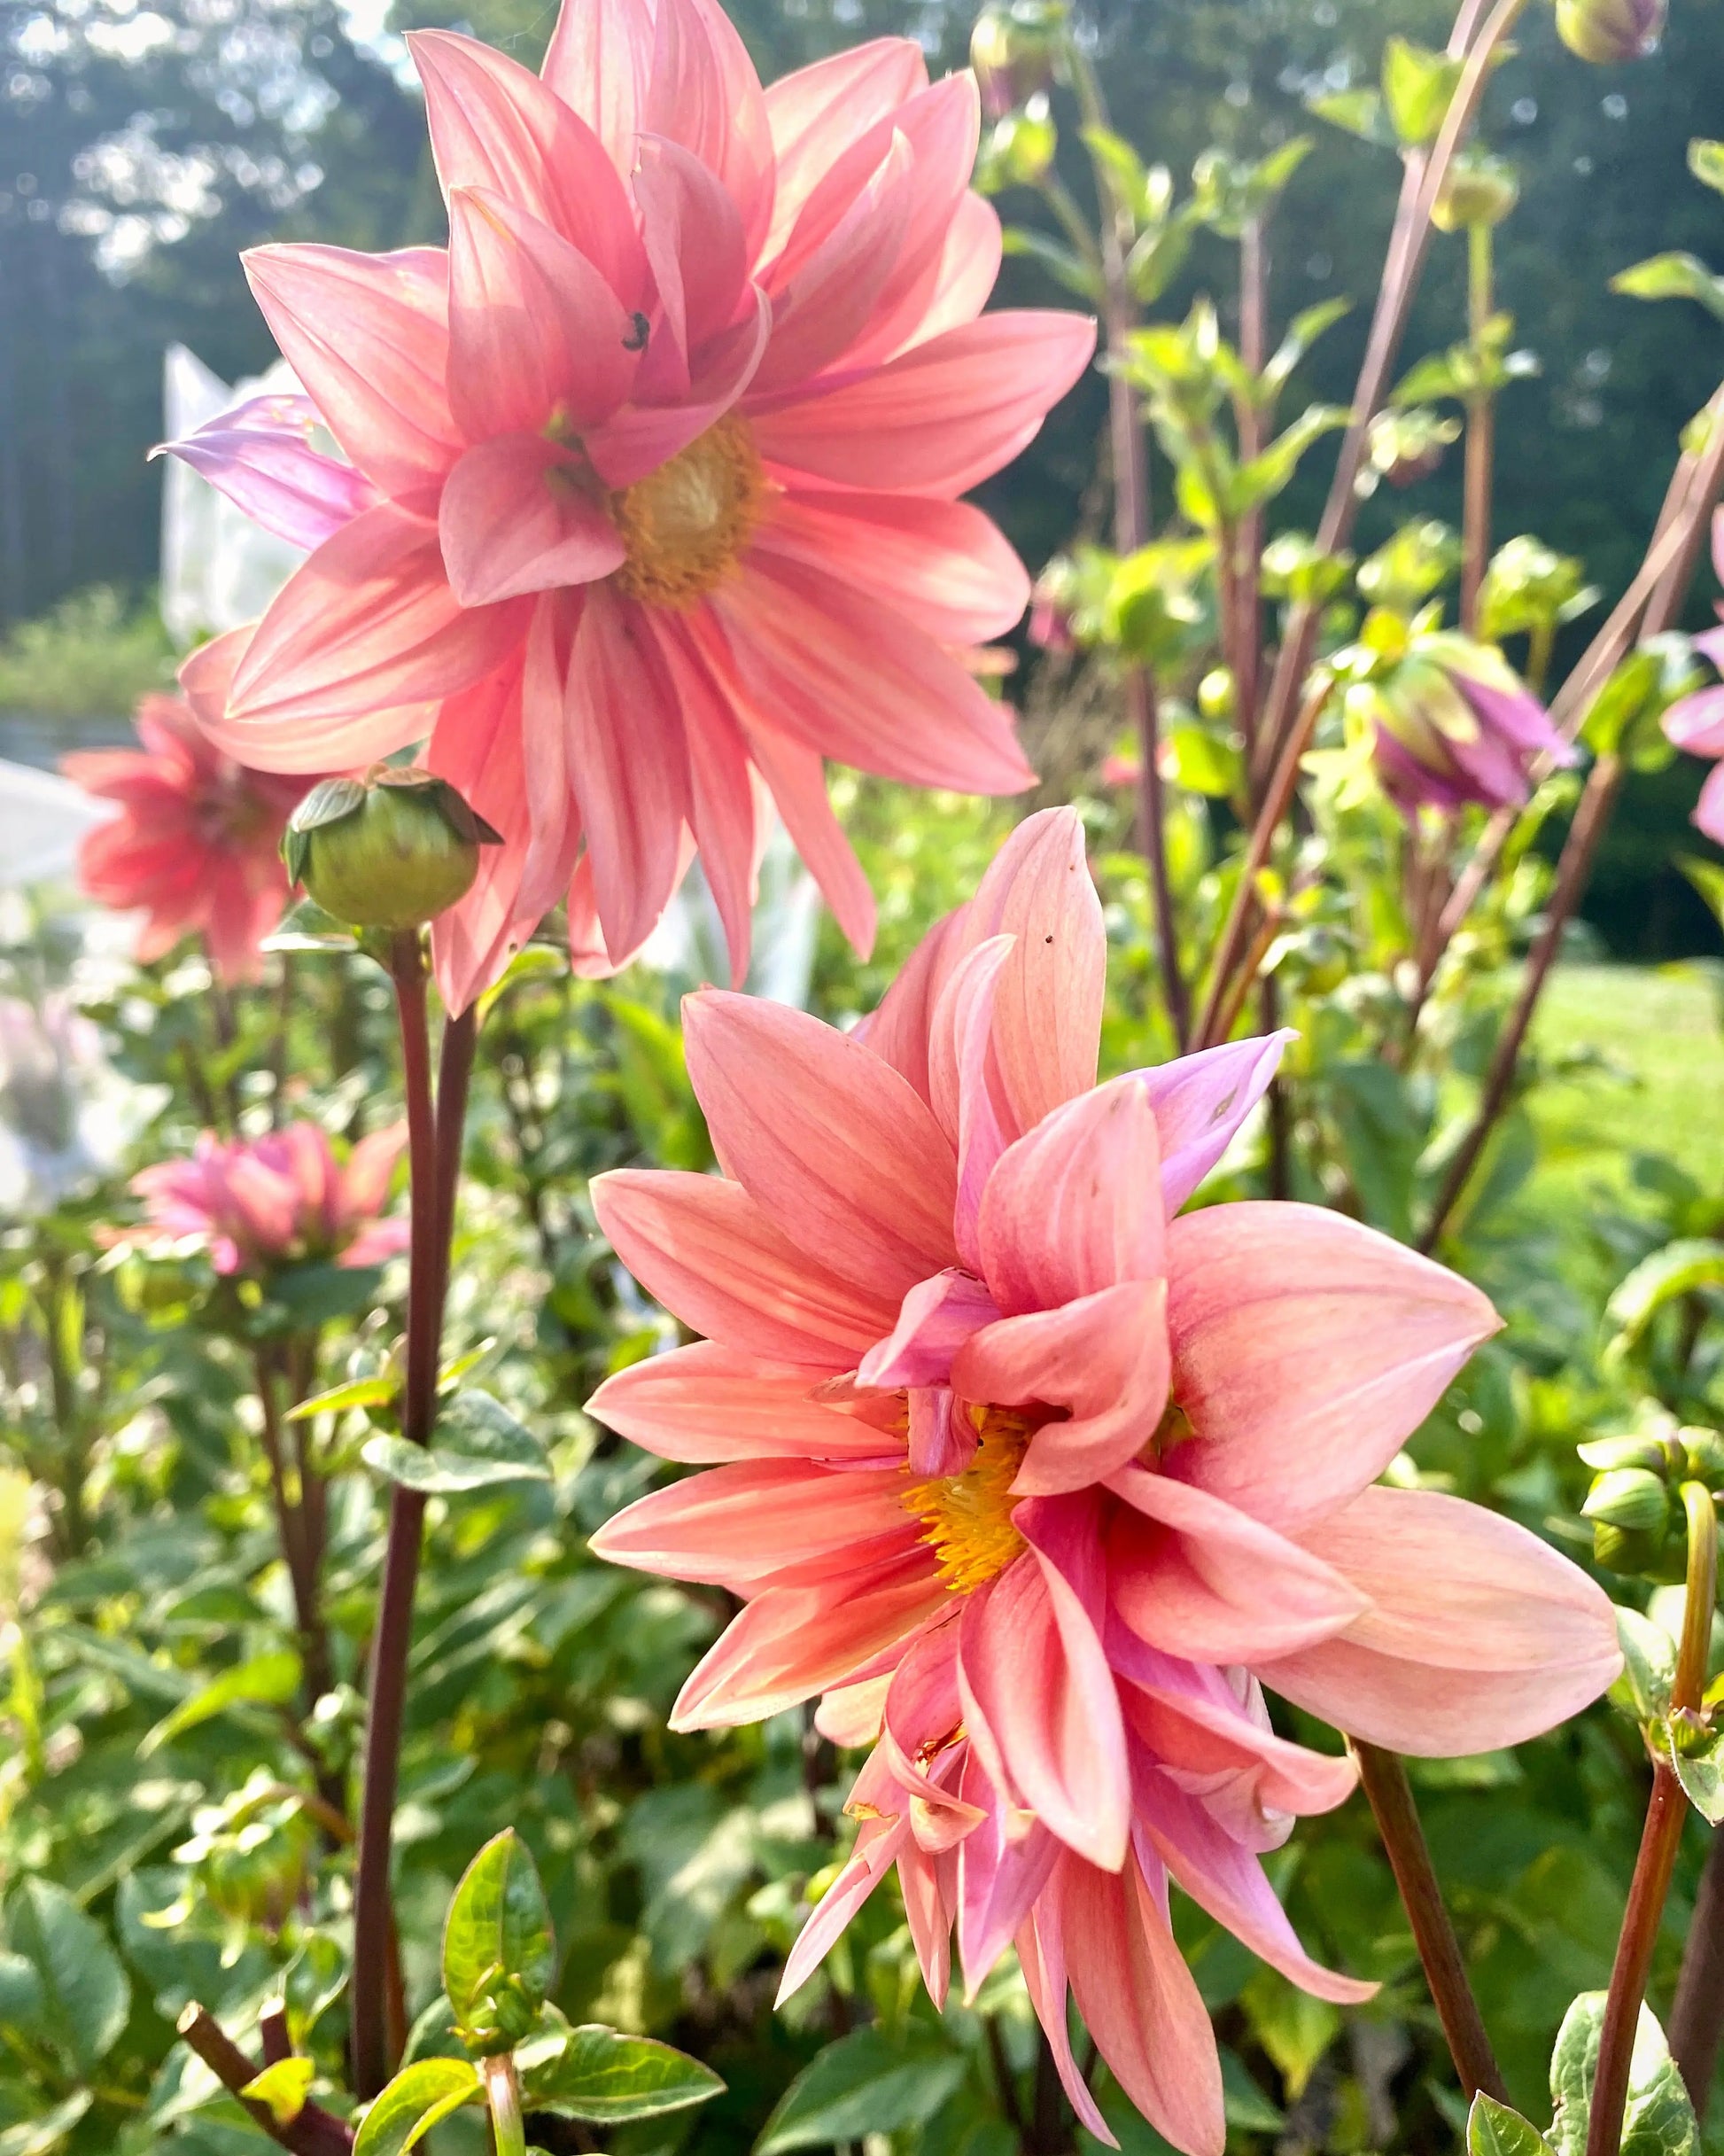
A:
(1036, 1479)
(194, 842)
(652, 502)
(272, 1201)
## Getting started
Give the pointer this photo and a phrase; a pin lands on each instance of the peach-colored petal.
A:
(849, 1716)
(820, 109)
(703, 93)
(477, 746)
(927, 1884)
(959, 1065)
(923, 1712)
(1213, 1583)
(796, 778)
(367, 335)
(1478, 1635)
(966, 273)
(828, 1140)
(706, 1402)
(709, 1253)
(1042, 1956)
(900, 1030)
(1103, 1357)
(640, 438)
(598, 63)
(941, 416)
(1306, 1350)
(512, 520)
(726, 808)
(698, 251)
(936, 1317)
(1073, 1207)
(941, 564)
(877, 1849)
(735, 1526)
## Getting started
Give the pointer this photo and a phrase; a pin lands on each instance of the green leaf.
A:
(1263, 477)
(862, 2084)
(1673, 277)
(357, 1393)
(1705, 161)
(83, 1993)
(1649, 1667)
(1418, 86)
(1494, 2130)
(1708, 879)
(306, 927)
(606, 2079)
(38, 2136)
(498, 1954)
(413, 2103)
(1062, 264)
(1689, 1262)
(1659, 2120)
(1701, 1773)
(1357, 112)
(477, 1443)
(1303, 333)
(269, 1680)
(283, 2087)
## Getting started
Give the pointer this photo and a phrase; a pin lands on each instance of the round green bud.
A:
(1479, 190)
(1216, 695)
(1633, 1498)
(1609, 32)
(1013, 51)
(391, 851)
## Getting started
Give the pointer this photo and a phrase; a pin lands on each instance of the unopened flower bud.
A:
(1013, 49)
(1479, 190)
(1633, 1498)
(391, 851)
(1407, 446)
(1052, 603)
(1704, 1456)
(1019, 150)
(1607, 32)
(1649, 1452)
(1216, 697)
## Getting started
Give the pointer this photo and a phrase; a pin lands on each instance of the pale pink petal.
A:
(1478, 1635)
(1212, 1583)
(849, 1716)
(960, 1081)
(514, 518)
(554, 823)
(736, 1525)
(1709, 809)
(1141, 2003)
(1042, 1957)
(831, 1143)
(968, 271)
(725, 804)
(917, 1740)
(877, 1848)
(496, 126)
(796, 778)
(1306, 1350)
(923, 1881)
(370, 1170)
(259, 456)
(1075, 1207)
(900, 1028)
(639, 439)
(942, 415)
(817, 110)
(941, 564)
(598, 62)
(704, 1248)
(936, 1317)
(367, 335)
(368, 624)
(706, 1402)
(698, 252)
(1103, 1357)
(704, 93)
(1199, 1102)
(1003, 1866)
(477, 746)
(941, 1438)
(535, 331)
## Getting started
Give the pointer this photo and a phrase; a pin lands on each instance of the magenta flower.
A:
(1455, 724)
(1033, 1478)
(254, 1203)
(1696, 722)
(194, 845)
(653, 493)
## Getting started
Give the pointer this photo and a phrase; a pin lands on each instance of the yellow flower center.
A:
(686, 524)
(968, 1516)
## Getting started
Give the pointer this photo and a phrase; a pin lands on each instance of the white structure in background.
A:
(42, 818)
(66, 1116)
(218, 568)
(687, 946)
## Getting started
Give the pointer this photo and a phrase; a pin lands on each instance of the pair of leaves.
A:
(61, 1983)
(478, 1444)
(1657, 2119)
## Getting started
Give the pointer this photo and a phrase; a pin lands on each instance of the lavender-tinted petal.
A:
(259, 456)
(1199, 1102)
(1697, 723)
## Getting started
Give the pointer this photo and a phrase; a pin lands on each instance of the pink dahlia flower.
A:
(653, 493)
(275, 1199)
(1696, 722)
(1035, 1479)
(1455, 724)
(194, 844)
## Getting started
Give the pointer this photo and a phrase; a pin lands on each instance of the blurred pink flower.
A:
(195, 844)
(1033, 1479)
(656, 470)
(1696, 722)
(1455, 724)
(270, 1200)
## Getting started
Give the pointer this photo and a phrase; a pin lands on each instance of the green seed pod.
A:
(1479, 190)
(391, 851)
(1635, 1556)
(1608, 32)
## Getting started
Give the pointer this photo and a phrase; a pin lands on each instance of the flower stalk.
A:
(502, 2092)
(1480, 431)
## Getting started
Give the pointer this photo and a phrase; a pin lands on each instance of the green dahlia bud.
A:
(391, 851)
(1607, 32)
(1479, 190)
(1633, 1498)
(1013, 51)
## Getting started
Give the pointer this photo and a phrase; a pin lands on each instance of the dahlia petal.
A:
(1300, 1335)
(937, 1316)
(900, 1028)
(849, 1715)
(958, 1080)
(1216, 1584)
(370, 1170)
(1227, 1881)
(1075, 1207)
(968, 271)
(639, 439)
(698, 252)
(1200, 1102)
(704, 1248)
(922, 1714)
(724, 807)
(477, 746)
(1104, 1357)
(940, 417)
(1141, 2005)
(706, 1402)
(703, 94)
(1042, 1957)
(941, 564)
(512, 520)
(1000, 1875)
(823, 664)
(1477, 1636)
(367, 335)
(496, 126)
(336, 740)
(1709, 809)
(941, 1440)
(923, 1884)
(369, 624)
(737, 1525)
(828, 1140)
(624, 740)
(1038, 1693)
(792, 1642)
(877, 1848)
(817, 110)
(259, 456)
(553, 814)
(535, 331)
(598, 63)
(796, 778)
(1697, 723)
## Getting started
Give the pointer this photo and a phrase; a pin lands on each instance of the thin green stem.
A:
(502, 2092)
(1480, 431)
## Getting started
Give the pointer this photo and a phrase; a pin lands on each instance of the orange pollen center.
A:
(685, 524)
(968, 1517)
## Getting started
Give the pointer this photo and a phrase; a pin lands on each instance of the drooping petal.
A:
(1303, 1340)
(726, 806)
(512, 519)
(1075, 1207)
(737, 1525)
(1103, 1357)
(1478, 1635)
(367, 335)
(1003, 1866)
(877, 1849)
(706, 1402)
(796, 778)
(943, 564)
(829, 1142)
(1042, 1957)
(1199, 1102)
(704, 1248)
